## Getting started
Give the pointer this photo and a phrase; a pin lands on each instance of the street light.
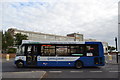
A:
(116, 49)
(116, 43)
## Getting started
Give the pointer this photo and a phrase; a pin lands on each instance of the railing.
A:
(112, 58)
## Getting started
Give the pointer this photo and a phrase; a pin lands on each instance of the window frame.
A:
(39, 52)
(47, 48)
(93, 53)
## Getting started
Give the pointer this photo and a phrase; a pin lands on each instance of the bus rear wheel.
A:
(78, 64)
(19, 64)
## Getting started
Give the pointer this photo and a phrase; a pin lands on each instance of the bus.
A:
(59, 54)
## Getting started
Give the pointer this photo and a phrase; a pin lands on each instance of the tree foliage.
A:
(19, 37)
(111, 48)
(11, 50)
(7, 40)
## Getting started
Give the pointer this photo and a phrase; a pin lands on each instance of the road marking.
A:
(114, 71)
(55, 71)
(18, 72)
(26, 72)
(96, 71)
(37, 71)
(76, 71)
(42, 75)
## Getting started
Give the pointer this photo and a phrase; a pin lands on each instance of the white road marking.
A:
(55, 71)
(18, 72)
(114, 71)
(76, 71)
(96, 71)
(42, 75)
(25, 72)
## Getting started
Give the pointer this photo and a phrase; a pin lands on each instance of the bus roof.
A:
(52, 42)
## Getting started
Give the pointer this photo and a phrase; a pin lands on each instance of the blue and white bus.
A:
(60, 54)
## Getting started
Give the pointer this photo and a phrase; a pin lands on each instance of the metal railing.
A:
(112, 58)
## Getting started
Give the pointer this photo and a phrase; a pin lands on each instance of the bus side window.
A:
(62, 50)
(47, 50)
(92, 50)
(78, 50)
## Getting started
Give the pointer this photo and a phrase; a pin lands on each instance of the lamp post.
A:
(116, 43)
(116, 49)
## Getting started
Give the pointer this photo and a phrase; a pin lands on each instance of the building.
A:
(105, 44)
(37, 36)
(77, 36)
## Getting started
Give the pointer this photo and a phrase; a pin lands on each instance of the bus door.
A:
(31, 55)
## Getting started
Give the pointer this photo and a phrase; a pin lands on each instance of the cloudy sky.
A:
(96, 19)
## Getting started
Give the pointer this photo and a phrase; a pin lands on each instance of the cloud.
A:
(95, 19)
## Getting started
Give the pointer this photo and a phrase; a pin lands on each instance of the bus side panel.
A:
(63, 63)
(66, 63)
(46, 63)
(89, 61)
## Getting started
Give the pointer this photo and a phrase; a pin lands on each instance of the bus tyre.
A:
(78, 64)
(19, 64)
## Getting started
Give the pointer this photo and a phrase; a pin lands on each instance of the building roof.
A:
(52, 42)
(75, 34)
(31, 32)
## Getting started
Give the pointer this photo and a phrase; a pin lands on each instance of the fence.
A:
(111, 58)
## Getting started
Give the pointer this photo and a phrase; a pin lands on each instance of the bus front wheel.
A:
(19, 64)
(78, 64)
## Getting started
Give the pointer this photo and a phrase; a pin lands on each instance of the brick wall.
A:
(4, 55)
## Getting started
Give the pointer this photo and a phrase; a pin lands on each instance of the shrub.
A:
(11, 50)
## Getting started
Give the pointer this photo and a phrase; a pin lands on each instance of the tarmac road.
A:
(9, 70)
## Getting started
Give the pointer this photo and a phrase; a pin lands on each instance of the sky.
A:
(95, 19)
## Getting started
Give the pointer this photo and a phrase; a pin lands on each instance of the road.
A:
(9, 70)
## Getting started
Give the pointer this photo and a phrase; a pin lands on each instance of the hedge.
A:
(11, 50)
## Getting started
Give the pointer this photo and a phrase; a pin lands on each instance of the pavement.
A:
(109, 71)
(24, 74)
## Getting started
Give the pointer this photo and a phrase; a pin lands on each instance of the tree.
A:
(19, 37)
(7, 40)
(111, 48)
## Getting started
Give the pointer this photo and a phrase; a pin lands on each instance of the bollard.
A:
(7, 57)
(110, 58)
